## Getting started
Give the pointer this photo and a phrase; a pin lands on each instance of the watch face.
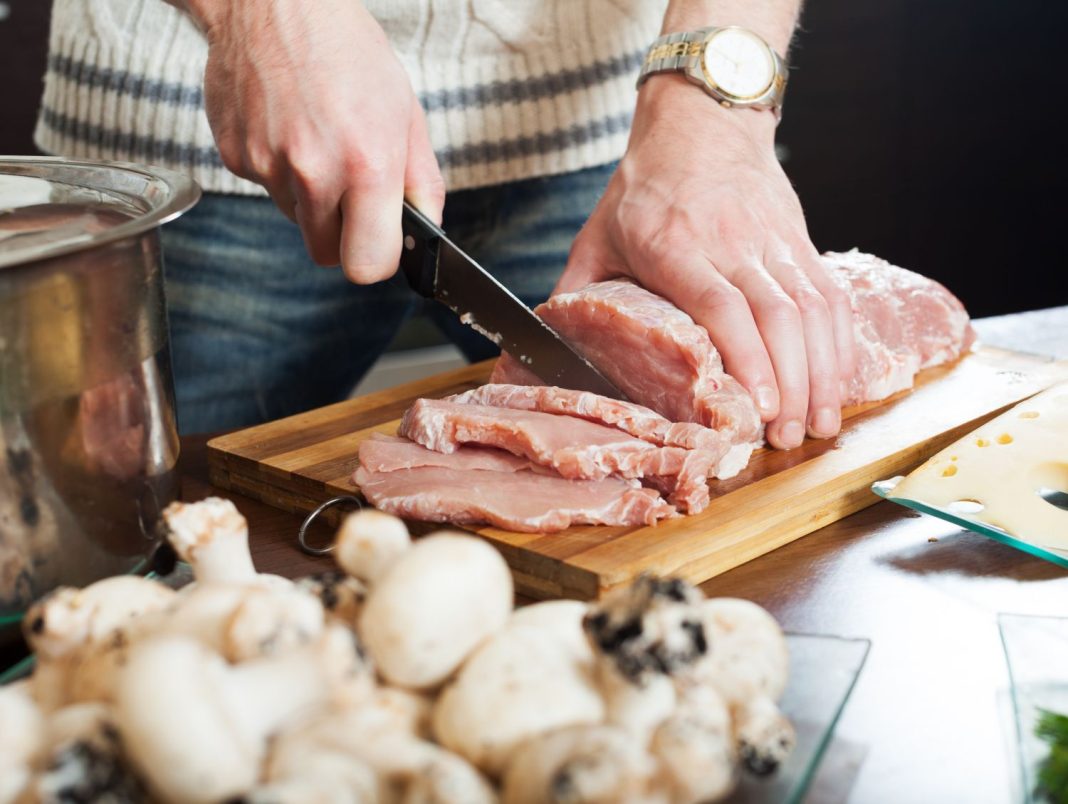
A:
(739, 63)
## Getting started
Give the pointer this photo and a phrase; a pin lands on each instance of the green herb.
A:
(1053, 773)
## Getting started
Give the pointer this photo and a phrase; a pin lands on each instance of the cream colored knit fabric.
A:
(512, 88)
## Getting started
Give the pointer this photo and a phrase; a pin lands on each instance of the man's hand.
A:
(309, 100)
(700, 212)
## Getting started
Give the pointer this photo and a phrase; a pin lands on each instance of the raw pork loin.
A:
(474, 485)
(659, 357)
(529, 457)
(903, 322)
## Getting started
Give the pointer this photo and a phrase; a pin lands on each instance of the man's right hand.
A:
(310, 101)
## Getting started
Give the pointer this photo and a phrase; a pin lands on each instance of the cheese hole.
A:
(1029, 414)
(1058, 499)
(982, 442)
(965, 506)
(1004, 438)
(949, 471)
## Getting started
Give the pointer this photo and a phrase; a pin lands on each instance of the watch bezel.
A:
(765, 97)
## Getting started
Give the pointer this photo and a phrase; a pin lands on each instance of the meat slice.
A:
(635, 420)
(723, 459)
(384, 453)
(573, 447)
(653, 352)
(903, 322)
(519, 501)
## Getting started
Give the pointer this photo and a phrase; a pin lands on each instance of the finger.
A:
(822, 274)
(780, 328)
(824, 414)
(284, 199)
(319, 219)
(721, 308)
(314, 185)
(371, 230)
(423, 185)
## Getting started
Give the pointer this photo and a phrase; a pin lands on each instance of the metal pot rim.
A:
(163, 194)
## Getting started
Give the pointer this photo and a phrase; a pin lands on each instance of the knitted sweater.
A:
(512, 88)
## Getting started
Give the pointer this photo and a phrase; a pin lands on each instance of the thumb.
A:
(424, 188)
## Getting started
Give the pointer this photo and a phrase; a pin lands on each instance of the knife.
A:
(438, 269)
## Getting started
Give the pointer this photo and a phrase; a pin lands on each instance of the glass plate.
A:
(1036, 650)
(823, 671)
(885, 488)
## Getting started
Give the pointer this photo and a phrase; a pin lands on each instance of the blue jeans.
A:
(258, 331)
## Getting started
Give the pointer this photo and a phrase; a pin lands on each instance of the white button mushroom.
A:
(432, 606)
(197, 728)
(531, 677)
(368, 542)
(747, 653)
(212, 536)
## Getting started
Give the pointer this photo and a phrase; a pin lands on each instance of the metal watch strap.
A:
(672, 52)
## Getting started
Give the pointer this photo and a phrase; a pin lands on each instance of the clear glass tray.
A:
(1036, 650)
(823, 671)
(885, 489)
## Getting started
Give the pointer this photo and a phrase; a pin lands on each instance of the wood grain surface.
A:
(297, 463)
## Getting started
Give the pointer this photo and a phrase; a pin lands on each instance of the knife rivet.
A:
(409, 242)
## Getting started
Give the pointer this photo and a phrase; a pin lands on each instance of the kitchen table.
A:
(928, 718)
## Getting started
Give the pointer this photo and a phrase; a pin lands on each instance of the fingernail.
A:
(766, 400)
(792, 434)
(825, 422)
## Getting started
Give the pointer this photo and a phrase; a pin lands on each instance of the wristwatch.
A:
(733, 65)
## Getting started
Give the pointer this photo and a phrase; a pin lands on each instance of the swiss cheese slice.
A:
(1006, 467)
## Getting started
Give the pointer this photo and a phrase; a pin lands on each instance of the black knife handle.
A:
(419, 254)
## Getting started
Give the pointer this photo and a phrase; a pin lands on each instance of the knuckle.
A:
(781, 309)
(721, 297)
(810, 302)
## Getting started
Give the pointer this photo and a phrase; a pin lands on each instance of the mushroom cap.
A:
(433, 605)
(525, 680)
(747, 652)
(368, 541)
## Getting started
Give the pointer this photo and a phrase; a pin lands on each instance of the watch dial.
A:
(739, 62)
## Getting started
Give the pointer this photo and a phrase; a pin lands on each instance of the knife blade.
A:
(436, 268)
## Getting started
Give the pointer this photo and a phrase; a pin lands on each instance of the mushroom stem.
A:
(213, 537)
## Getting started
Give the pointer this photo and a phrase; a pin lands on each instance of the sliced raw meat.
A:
(573, 447)
(519, 501)
(653, 352)
(635, 420)
(902, 321)
(383, 453)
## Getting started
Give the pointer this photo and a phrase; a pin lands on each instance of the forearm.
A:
(774, 20)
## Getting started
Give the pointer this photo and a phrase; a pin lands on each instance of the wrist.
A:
(671, 97)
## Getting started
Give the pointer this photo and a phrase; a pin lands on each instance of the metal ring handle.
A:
(302, 534)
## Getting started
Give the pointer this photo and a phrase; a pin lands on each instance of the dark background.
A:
(921, 130)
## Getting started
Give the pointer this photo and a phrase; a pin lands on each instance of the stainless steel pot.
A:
(88, 442)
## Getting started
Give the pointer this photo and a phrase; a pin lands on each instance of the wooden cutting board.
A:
(298, 462)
